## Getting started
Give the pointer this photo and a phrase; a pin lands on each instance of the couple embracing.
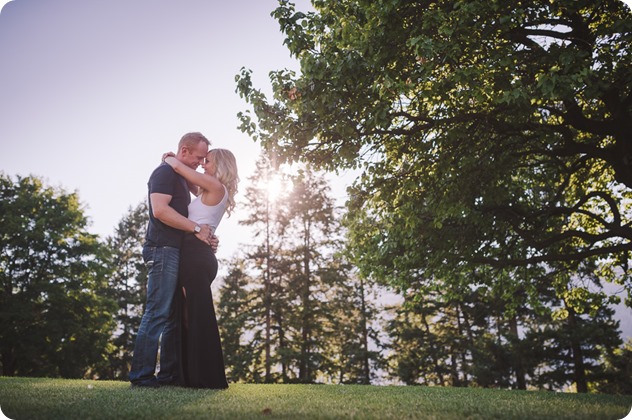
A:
(179, 251)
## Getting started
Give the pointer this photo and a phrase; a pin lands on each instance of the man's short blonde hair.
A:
(190, 140)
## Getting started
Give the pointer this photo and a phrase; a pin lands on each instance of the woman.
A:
(202, 358)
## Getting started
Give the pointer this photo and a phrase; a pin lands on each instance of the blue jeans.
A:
(160, 319)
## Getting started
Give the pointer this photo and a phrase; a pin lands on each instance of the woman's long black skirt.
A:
(201, 354)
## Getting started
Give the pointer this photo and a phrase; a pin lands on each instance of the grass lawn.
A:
(42, 398)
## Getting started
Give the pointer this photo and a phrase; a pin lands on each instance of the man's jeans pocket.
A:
(149, 256)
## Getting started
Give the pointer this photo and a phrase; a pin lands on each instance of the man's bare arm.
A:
(167, 215)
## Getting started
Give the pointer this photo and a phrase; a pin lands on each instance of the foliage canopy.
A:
(487, 132)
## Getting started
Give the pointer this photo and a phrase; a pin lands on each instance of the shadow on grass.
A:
(43, 398)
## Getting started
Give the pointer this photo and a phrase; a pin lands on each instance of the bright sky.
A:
(93, 92)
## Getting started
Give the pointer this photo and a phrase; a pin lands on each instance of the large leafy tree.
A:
(55, 314)
(487, 132)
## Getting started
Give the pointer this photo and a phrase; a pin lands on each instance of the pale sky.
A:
(93, 92)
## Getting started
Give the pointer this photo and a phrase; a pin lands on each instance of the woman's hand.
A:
(172, 161)
(214, 242)
(166, 155)
(206, 235)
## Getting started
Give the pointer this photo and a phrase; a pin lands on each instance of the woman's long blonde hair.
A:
(226, 173)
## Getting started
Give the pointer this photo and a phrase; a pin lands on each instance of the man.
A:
(169, 198)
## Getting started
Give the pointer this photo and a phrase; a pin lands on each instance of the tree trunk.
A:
(579, 375)
(462, 349)
(305, 374)
(365, 337)
(517, 355)
(267, 300)
(435, 362)
(281, 349)
(8, 362)
(454, 371)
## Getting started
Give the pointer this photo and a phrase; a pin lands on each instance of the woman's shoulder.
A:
(215, 196)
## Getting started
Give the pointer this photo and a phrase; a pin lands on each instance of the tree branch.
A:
(577, 256)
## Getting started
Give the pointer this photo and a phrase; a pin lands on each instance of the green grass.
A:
(40, 398)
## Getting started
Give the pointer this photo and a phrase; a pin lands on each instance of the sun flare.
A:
(275, 187)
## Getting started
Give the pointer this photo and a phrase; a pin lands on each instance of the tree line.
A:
(292, 307)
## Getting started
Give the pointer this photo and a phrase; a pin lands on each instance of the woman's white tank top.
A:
(202, 214)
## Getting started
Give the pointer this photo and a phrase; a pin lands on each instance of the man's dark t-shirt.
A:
(165, 180)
